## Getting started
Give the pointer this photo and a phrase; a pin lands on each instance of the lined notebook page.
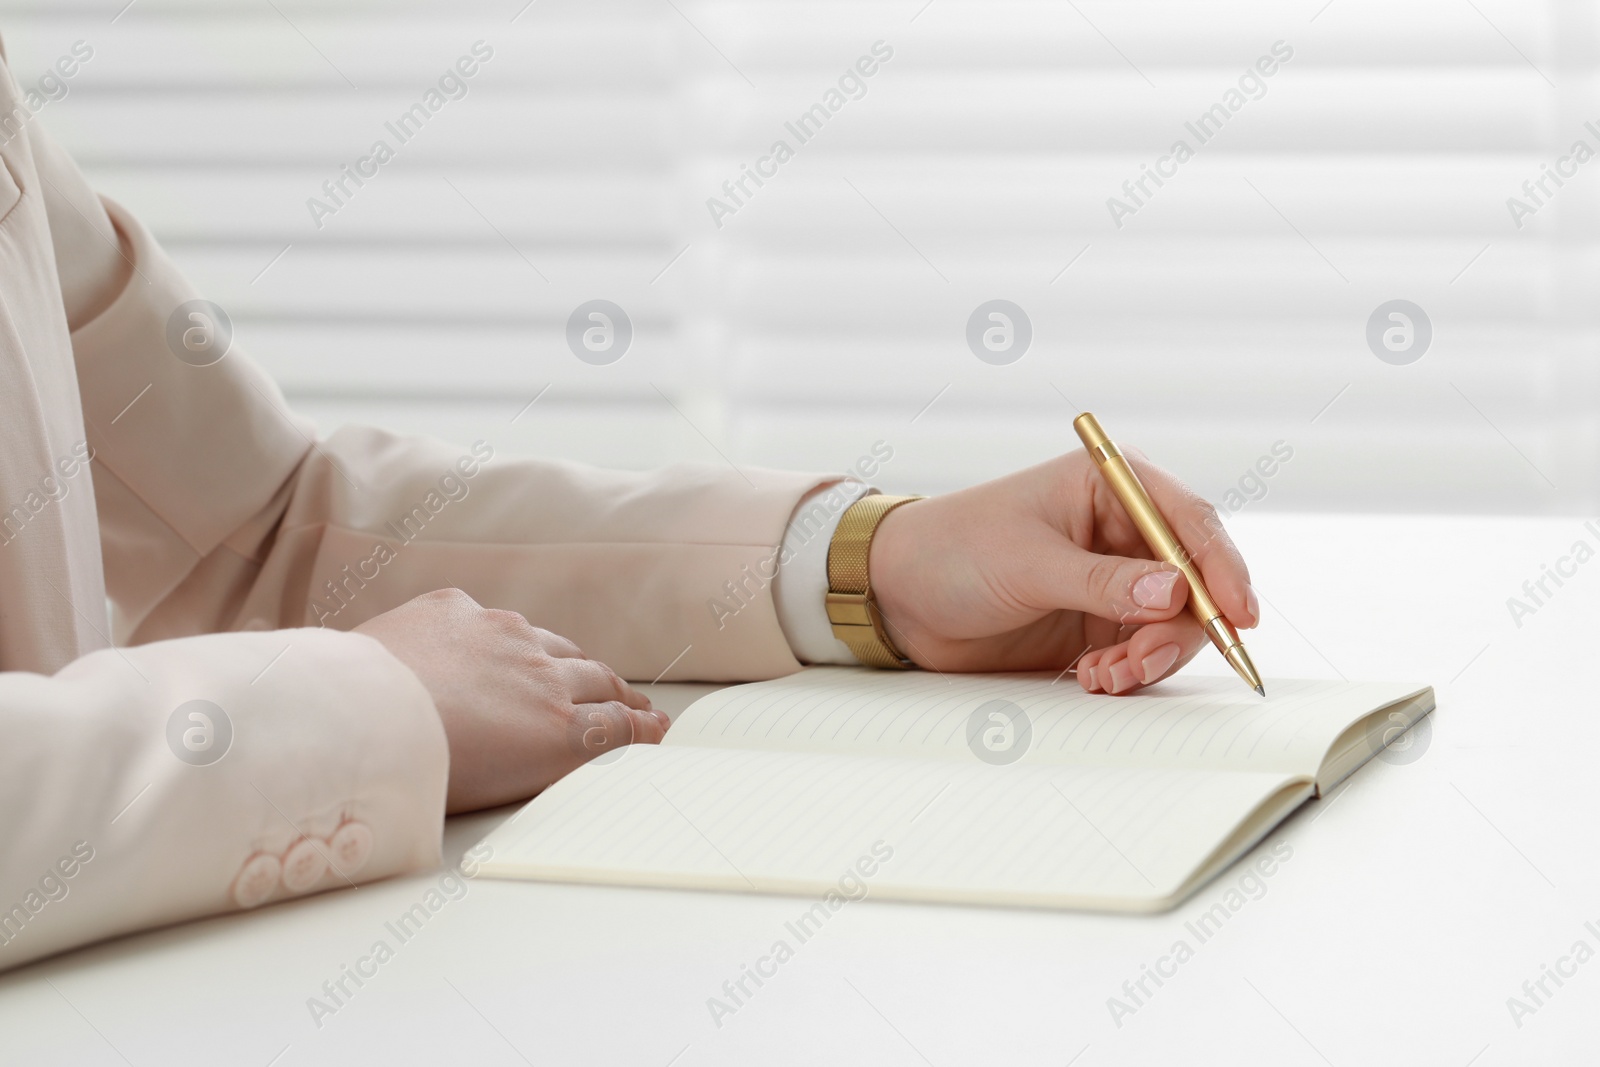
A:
(1183, 722)
(769, 821)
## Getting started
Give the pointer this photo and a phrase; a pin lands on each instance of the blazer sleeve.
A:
(220, 509)
(192, 777)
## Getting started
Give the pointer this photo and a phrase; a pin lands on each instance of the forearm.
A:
(645, 571)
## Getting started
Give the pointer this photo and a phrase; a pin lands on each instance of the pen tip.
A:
(1262, 690)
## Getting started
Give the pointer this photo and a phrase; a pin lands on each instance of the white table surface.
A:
(1418, 898)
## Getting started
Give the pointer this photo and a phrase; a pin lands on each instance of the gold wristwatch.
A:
(851, 607)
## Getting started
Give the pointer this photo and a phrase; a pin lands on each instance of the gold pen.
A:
(1142, 510)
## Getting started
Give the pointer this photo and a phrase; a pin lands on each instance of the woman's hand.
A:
(1043, 569)
(521, 706)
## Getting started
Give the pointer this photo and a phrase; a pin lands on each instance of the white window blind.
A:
(1227, 312)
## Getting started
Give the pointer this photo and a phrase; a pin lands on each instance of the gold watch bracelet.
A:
(852, 609)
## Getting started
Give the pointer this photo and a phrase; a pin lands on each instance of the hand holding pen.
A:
(1045, 570)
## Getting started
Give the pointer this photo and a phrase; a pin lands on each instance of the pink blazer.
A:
(220, 742)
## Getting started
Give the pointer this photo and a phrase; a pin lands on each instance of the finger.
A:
(588, 681)
(1130, 591)
(1118, 672)
(556, 645)
(1098, 664)
(1199, 528)
(1086, 667)
(609, 725)
(1102, 637)
(633, 697)
(1147, 652)
(1155, 652)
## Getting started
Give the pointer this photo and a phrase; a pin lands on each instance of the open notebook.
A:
(989, 789)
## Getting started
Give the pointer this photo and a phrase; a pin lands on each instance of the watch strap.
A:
(852, 610)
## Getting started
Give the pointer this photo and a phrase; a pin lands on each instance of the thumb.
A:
(1128, 591)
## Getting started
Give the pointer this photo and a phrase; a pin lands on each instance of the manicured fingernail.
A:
(1154, 590)
(1086, 678)
(1158, 662)
(1251, 604)
(1121, 677)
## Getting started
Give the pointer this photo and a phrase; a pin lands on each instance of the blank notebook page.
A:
(794, 822)
(1206, 722)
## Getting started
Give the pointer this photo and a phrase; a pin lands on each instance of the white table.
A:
(1419, 897)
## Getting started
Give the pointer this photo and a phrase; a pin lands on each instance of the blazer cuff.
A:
(800, 590)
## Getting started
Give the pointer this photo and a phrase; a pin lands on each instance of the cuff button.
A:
(303, 866)
(351, 846)
(257, 879)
